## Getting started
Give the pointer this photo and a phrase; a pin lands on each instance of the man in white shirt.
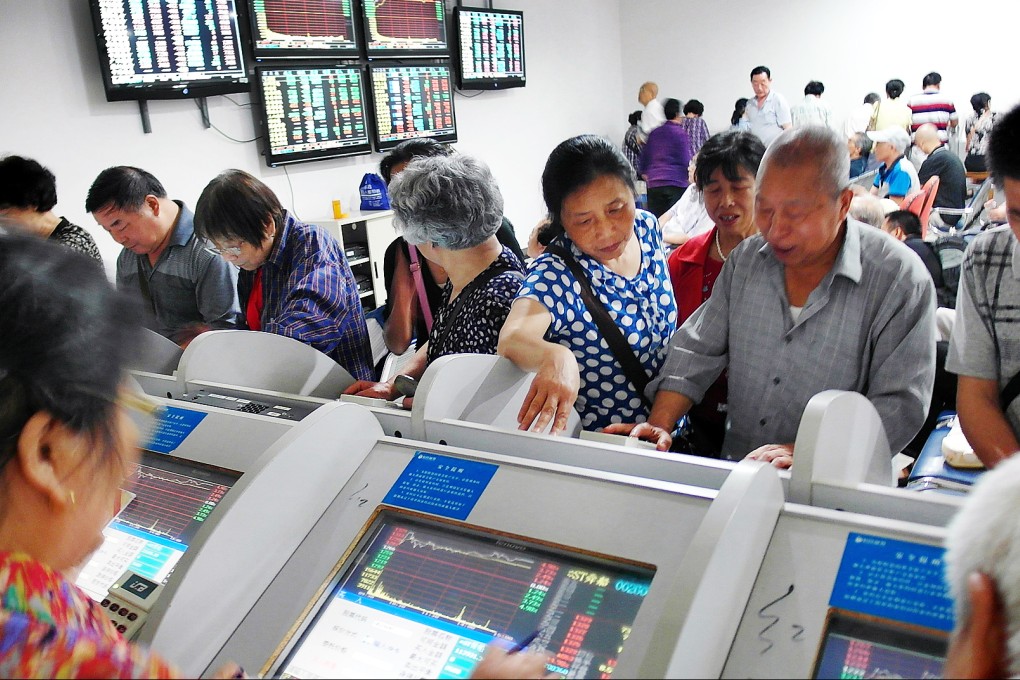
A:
(653, 114)
(859, 118)
(768, 112)
(812, 111)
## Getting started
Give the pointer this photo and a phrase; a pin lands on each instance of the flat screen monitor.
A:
(313, 112)
(412, 100)
(303, 28)
(173, 497)
(421, 598)
(490, 48)
(405, 28)
(168, 49)
(859, 646)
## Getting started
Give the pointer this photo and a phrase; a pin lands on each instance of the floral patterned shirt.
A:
(51, 629)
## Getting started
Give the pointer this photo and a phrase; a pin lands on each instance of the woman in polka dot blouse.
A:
(588, 188)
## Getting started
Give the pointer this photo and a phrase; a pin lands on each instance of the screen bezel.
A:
(383, 513)
(275, 159)
(443, 138)
(176, 89)
(401, 53)
(266, 53)
(880, 631)
(490, 83)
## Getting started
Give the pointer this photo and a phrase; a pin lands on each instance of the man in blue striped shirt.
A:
(294, 278)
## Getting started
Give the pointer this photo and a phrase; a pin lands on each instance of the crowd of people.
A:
(714, 348)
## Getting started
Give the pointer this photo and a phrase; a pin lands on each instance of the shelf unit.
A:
(365, 237)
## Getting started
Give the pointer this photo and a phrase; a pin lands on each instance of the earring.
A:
(74, 501)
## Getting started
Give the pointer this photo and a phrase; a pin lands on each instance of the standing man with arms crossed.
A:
(769, 112)
(984, 349)
(185, 287)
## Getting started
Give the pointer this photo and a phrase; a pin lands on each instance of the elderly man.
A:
(181, 281)
(982, 556)
(769, 112)
(653, 114)
(815, 301)
(947, 165)
(985, 346)
(897, 176)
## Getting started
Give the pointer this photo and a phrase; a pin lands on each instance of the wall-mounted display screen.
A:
(405, 28)
(490, 48)
(412, 100)
(313, 112)
(303, 28)
(168, 49)
(421, 599)
(173, 497)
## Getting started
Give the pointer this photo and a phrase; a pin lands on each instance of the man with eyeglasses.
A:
(186, 288)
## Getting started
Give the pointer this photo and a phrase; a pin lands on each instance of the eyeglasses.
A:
(233, 251)
(146, 413)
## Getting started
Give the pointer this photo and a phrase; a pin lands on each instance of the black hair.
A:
(871, 98)
(122, 187)
(576, 163)
(695, 107)
(905, 220)
(26, 184)
(236, 205)
(1004, 147)
(546, 232)
(932, 78)
(894, 88)
(761, 69)
(729, 151)
(814, 87)
(408, 149)
(979, 102)
(67, 336)
(634, 118)
(671, 107)
(738, 110)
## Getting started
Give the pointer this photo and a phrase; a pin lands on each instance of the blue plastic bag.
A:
(373, 193)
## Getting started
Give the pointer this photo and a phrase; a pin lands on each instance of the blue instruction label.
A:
(173, 428)
(440, 485)
(894, 580)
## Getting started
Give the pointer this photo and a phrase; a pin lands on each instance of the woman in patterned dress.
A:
(588, 188)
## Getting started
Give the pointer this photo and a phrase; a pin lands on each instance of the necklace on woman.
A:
(718, 248)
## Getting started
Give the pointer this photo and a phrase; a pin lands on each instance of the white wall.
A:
(54, 110)
(706, 50)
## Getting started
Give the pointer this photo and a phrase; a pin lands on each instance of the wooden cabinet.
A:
(365, 237)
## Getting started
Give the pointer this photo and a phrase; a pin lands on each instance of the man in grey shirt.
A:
(816, 301)
(984, 349)
(185, 286)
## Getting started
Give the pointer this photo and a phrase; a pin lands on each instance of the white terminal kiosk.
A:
(430, 552)
(211, 487)
(841, 450)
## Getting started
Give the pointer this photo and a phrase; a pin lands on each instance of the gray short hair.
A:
(815, 145)
(985, 536)
(452, 201)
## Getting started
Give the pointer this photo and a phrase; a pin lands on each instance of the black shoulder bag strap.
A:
(483, 278)
(618, 344)
(1010, 392)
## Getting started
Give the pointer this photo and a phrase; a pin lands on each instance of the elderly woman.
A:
(294, 279)
(613, 251)
(66, 445)
(724, 176)
(450, 207)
